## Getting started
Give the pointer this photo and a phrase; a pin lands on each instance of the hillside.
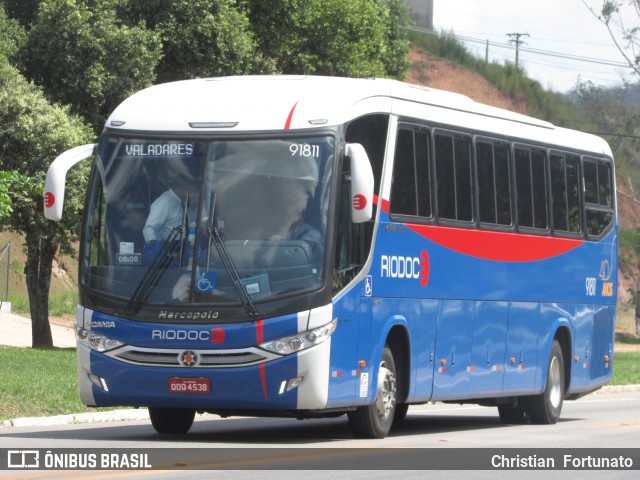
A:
(437, 73)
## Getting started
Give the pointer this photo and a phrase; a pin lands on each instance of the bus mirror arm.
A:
(361, 183)
(54, 184)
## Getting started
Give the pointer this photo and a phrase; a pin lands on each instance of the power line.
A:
(514, 39)
(565, 56)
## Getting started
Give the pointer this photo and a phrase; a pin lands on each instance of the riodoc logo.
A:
(396, 266)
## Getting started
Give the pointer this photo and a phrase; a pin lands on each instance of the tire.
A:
(172, 421)
(375, 420)
(511, 414)
(400, 414)
(544, 409)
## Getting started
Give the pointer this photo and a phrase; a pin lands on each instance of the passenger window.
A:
(531, 188)
(404, 198)
(597, 196)
(494, 198)
(410, 188)
(565, 190)
(453, 177)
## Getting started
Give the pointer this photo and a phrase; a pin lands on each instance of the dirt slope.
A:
(437, 73)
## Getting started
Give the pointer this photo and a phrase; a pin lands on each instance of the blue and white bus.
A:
(341, 246)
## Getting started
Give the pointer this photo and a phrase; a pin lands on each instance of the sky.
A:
(565, 27)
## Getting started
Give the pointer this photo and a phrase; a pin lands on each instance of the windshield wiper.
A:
(214, 236)
(160, 263)
(162, 260)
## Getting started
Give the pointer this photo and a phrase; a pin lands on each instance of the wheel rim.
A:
(386, 394)
(555, 383)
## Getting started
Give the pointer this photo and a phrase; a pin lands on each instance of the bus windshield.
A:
(189, 221)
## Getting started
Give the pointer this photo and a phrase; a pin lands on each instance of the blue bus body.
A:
(469, 313)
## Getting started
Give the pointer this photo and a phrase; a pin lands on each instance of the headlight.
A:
(96, 341)
(300, 341)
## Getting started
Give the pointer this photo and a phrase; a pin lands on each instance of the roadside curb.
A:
(76, 418)
(617, 389)
(143, 414)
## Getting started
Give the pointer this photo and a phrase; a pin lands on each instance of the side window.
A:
(370, 131)
(354, 240)
(565, 191)
(453, 177)
(597, 196)
(494, 193)
(410, 187)
(350, 247)
(531, 188)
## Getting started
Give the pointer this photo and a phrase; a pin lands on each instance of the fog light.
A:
(288, 385)
(99, 382)
(294, 383)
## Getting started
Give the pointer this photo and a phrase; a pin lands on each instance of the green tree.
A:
(356, 38)
(8, 180)
(33, 132)
(625, 34)
(11, 35)
(396, 22)
(615, 116)
(83, 56)
(23, 11)
(200, 38)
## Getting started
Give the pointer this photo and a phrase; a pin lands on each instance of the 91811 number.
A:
(304, 150)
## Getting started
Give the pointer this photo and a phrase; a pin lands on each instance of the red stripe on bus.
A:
(263, 379)
(260, 340)
(287, 124)
(259, 331)
(497, 246)
(490, 245)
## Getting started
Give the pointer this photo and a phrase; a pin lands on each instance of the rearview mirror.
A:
(361, 183)
(55, 181)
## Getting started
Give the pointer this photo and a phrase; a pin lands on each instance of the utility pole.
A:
(514, 39)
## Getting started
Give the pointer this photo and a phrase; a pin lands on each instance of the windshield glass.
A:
(198, 221)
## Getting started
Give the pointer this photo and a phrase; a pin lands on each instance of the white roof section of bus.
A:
(271, 103)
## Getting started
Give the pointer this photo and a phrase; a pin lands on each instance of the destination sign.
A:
(159, 149)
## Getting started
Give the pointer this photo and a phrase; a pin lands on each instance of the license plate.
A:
(189, 385)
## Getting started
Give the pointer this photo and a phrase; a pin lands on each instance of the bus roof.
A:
(282, 102)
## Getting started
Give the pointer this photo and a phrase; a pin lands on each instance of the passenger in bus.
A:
(167, 212)
(294, 225)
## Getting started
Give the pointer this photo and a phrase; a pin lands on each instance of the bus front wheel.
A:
(546, 407)
(173, 421)
(375, 420)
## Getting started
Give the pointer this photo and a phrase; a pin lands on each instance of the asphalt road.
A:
(434, 433)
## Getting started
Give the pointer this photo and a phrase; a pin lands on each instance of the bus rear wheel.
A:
(544, 409)
(375, 420)
(173, 421)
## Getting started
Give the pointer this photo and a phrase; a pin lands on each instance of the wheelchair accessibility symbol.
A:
(368, 286)
(206, 282)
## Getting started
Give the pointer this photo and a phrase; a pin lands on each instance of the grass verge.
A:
(36, 383)
(626, 368)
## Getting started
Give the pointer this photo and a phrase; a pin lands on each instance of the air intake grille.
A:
(205, 358)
